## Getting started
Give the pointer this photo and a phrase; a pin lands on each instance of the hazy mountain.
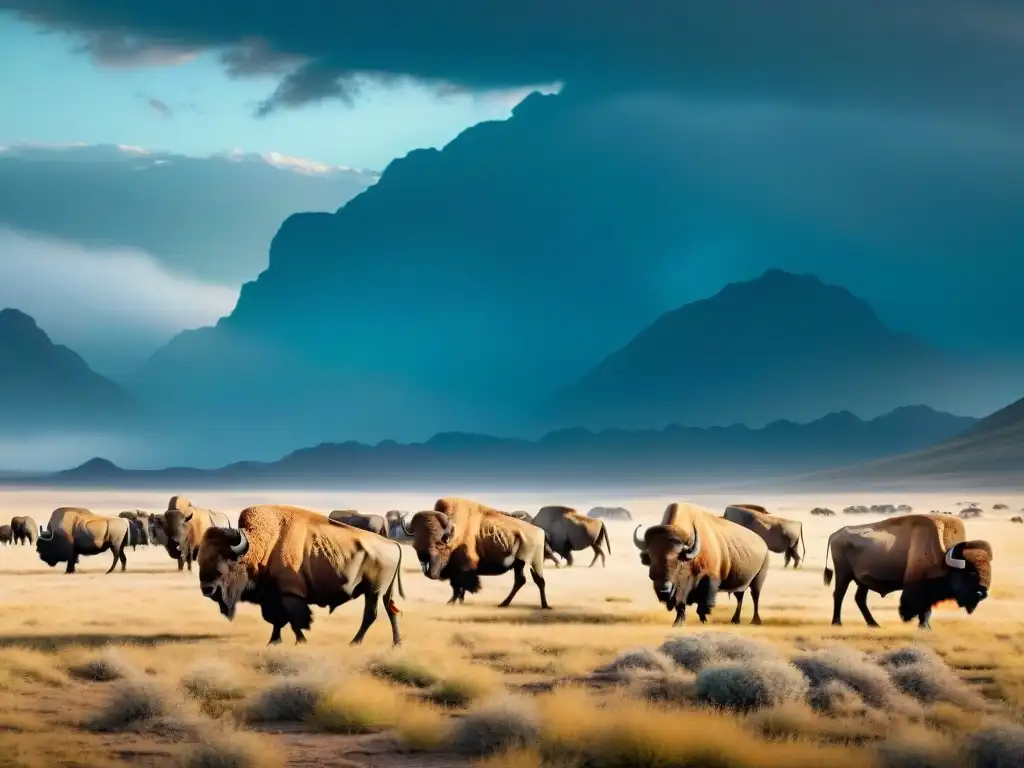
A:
(779, 346)
(612, 457)
(46, 386)
(208, 217)
(990, 454)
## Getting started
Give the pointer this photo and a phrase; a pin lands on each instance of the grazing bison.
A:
(1017, 519)
(568, 531)
(285, 559)
(781, 535)
(693, 555)
(184, 525)
(462, 540)
(6, 535)
(823, 511)
(610, 513)
(24, 530)
(925, 556)
(373, 523)
(73, 532)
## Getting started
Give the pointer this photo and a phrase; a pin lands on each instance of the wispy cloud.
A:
(160, 107)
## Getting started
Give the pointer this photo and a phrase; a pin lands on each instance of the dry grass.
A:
(157, 676)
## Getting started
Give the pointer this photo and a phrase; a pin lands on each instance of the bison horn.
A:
(405, 527)
(45, 534)
(242, 546)
(637, 541)
(955, 562)
(187, 517)
(694, 549)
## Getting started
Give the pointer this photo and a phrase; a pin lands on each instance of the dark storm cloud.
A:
(961, 54)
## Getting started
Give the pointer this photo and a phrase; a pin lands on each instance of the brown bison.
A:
(462, 540)
(373, 523)
(568, 531)
(73, 532)
(694, 554)
(183, 527)
(781, 535)
(285, 559)
(925, 556)
(138, 532)
(823, 511)
(24, 530)
(6, 534)
(1017, 519)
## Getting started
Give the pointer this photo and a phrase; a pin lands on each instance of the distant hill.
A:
(990, 454)
(46, 386)
(782, 344)
(612, 457)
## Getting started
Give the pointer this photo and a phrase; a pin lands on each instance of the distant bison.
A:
(138, 532)
(926, 557)
(372, 523)
(184, 525)
(856, 509)
(73, 532)
(904, 509)
(1017, 519)
(610, 513)
(1000, 507)
(521, 514)
(396, 530)
(970, 512)
(24, 530)
(823, 511)
(568, 531)
(6, 536)
(781, 535)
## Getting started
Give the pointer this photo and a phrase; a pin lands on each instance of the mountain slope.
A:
(47, 386)
(988, 454)
(782, 345)
(576, 456)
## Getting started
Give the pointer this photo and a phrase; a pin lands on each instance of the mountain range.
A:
(611, 458)
(989, 455)
(48, 387)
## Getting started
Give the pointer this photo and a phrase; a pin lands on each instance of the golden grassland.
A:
(138, 668)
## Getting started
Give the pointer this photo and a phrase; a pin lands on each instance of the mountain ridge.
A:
(568, 455)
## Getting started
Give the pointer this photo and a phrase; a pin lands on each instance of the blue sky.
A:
(59, 95)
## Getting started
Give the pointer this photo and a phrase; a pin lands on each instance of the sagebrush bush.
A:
(995, 747)
(131, 702)
(405, 671)
(854, 670)
(104, 667)
(751, 685)
(288, 700)
(922, 674)
(227, 747)
(638, 660)
(693, 652)
(213, 680)
(502, 723)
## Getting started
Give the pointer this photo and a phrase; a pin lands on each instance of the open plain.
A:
(139, 668)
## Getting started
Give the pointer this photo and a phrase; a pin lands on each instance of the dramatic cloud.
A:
(113, 306)
(953, 54)
(212, 218)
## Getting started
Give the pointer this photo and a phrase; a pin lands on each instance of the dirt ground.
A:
(138, 668)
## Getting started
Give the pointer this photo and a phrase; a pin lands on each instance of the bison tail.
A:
(803, 547)
(828, 576)
(829, 573)
(398, 574)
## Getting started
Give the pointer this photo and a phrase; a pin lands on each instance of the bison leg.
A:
(567, 555)
(71, 565)
(755, 592)
(541, 587)
(788, 557)
(739, 607)
(274, 614)
(597, 553)
(923, 619)
(369, 616)
(181, 564)
(123, 559)
(299, 615)
(861, 598)
(795, 556)
(520, 581)
(680, 615)
(843, 580)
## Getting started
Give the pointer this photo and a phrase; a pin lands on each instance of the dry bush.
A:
(916, 749)
(404, 670)
(692, 652)
(289, 700)
(463, 688)
(638, 660)
(106, 666)
(995, 747)
(515, 758)
(751, 685)
(856, 672)
(132, 702)
(213, 680)
(423, 728)
(834, 697)
(795, 720)
(357, 705)
(278, 663)
(921, 673)
(502, 723)
(227, 747)
(674, 688)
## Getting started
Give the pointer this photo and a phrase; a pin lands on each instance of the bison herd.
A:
(285, 559)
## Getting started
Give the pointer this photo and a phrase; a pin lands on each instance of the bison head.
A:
(175, 524)
(431, 534)
(223, 576)
(669, 560)
(52, 549)
(968, 579)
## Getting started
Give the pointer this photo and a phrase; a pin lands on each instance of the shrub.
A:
(231, 748)
(286, 701)
(995, 747)
(131, 703)
(213, 681)
(694, 652)
(106, 666)
(638, 660)
(750, 686)
(502, 723)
